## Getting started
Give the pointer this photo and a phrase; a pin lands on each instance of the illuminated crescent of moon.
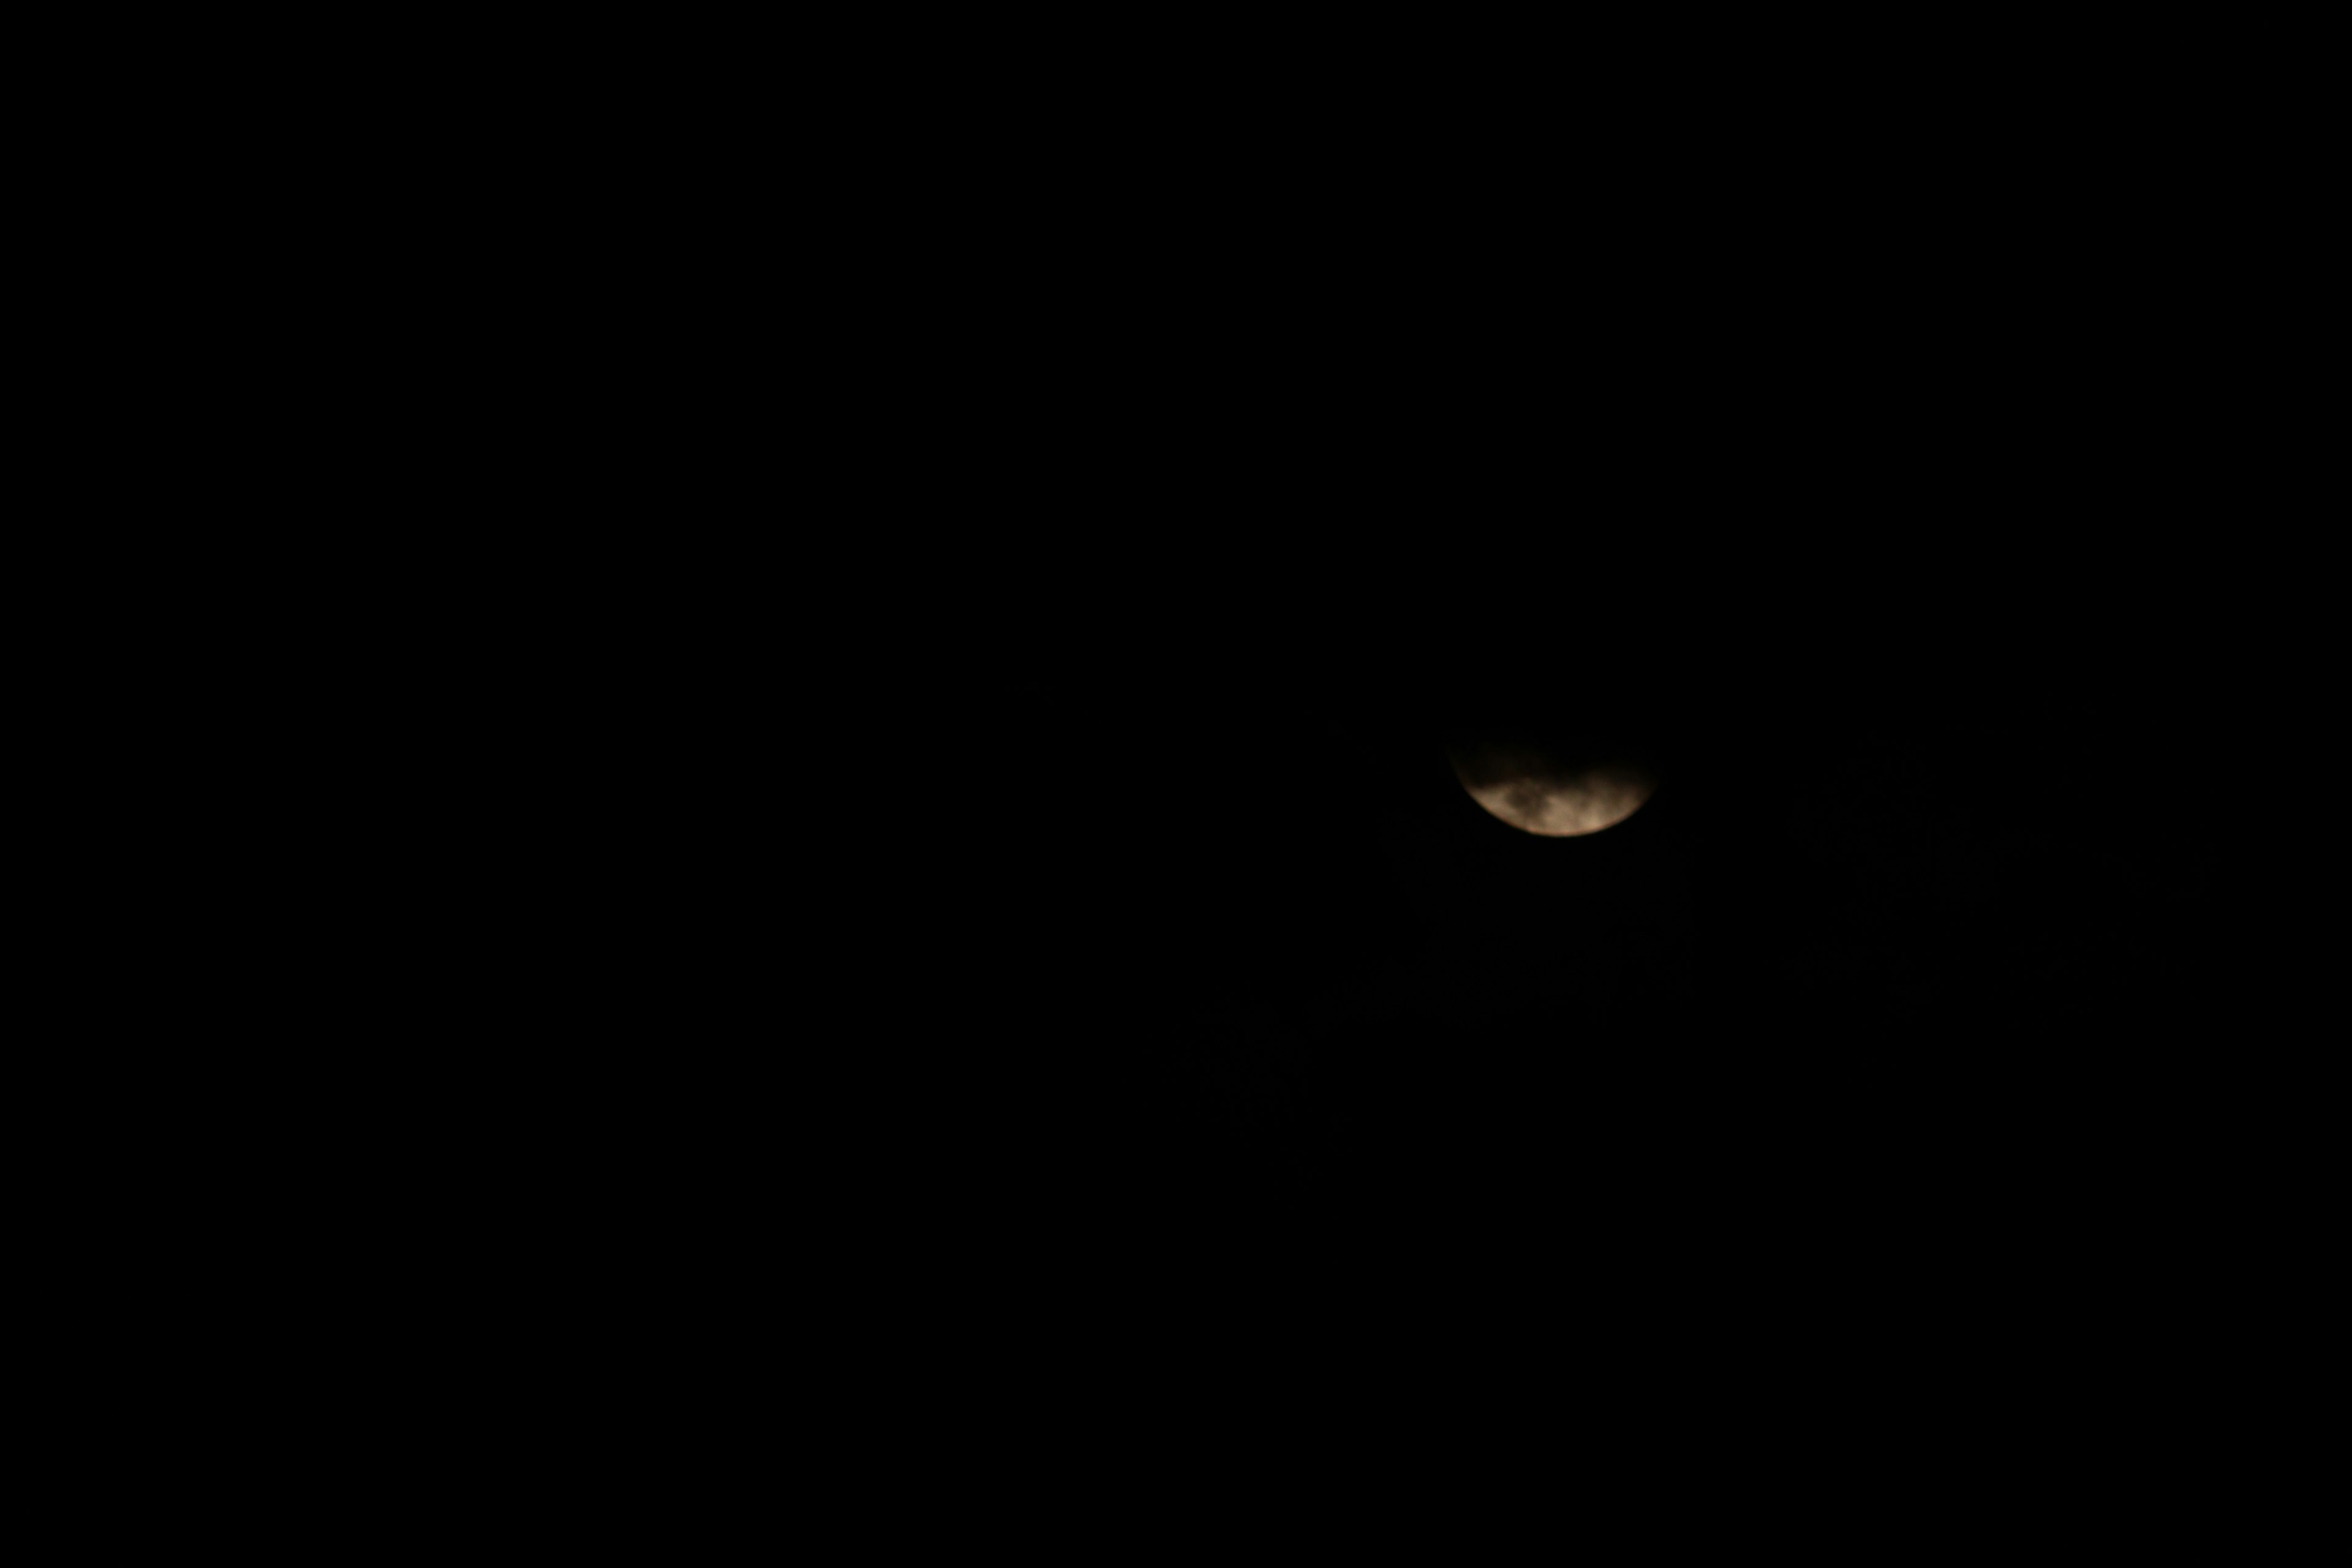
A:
(1537, 794)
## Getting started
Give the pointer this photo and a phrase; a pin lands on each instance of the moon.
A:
(1550, 792)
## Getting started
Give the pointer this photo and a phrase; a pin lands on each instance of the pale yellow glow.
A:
(1530, 794)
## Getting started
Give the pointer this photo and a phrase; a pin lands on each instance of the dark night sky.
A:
(1167, 501)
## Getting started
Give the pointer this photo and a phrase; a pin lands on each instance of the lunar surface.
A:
(1543, 792)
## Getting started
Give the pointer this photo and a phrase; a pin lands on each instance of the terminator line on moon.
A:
(1541, 793)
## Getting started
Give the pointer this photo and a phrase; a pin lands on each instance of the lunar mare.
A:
(1539, 795)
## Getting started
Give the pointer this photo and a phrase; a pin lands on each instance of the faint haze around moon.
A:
(1542, 791)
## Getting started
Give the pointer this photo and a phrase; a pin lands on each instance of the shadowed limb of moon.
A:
(1540, 791)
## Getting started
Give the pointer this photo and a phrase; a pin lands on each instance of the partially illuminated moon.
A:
(1543, 792)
